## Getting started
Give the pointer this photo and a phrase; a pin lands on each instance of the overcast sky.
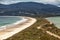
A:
(54, 2)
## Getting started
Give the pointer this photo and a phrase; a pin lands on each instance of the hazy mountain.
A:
(30, 7)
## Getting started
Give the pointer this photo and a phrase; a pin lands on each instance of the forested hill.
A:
(30, 9)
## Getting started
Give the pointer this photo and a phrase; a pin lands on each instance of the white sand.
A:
(10, 32)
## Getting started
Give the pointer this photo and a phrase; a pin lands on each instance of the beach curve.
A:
(11, 31)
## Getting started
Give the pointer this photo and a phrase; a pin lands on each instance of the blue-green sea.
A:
(55, 20)
(4, 20)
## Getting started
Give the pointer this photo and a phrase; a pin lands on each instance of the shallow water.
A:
(55, 20)
(8, 20)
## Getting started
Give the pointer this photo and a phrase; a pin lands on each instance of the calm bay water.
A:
(8, 20)
(55, 20)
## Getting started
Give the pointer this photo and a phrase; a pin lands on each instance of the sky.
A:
(54, 2)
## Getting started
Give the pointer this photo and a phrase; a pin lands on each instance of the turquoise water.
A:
(8, 20)
(55, 20)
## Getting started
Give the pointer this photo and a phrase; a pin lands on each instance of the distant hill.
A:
(30, 8)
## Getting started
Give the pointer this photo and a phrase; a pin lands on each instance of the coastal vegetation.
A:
(34, 32)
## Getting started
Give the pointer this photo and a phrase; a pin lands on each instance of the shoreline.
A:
(54, 21)
(12, 24)
(35, 31)
(4, 34)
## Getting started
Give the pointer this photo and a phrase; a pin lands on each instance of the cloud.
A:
(8, 1)
(54, 2)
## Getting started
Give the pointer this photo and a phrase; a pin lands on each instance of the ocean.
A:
(55, 20)
(5, 20)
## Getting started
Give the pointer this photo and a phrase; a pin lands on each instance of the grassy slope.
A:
(32, 33)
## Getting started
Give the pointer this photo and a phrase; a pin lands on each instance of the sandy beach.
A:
(10, 31)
